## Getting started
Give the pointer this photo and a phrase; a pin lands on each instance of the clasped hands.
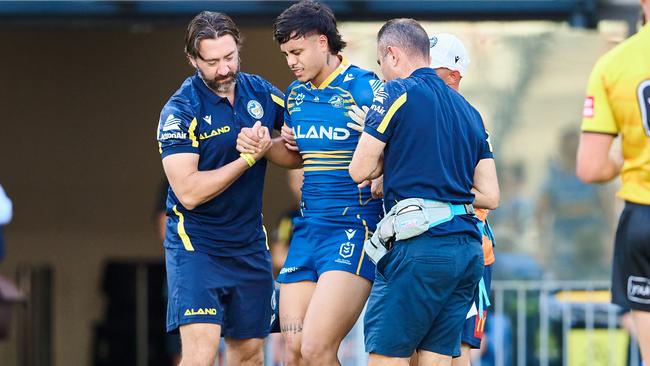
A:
(255, 140)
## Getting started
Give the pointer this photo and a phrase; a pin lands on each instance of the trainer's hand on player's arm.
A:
(358, 116)
(377, 187)
(289, 138)
(248, 139)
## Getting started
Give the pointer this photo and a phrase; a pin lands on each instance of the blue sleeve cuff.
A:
(372, 132)
(171, 150)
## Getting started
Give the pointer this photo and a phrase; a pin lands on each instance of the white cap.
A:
(448, 51)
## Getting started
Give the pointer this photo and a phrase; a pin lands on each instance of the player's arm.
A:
(194, 187)
(367, 162)
(282, 152)
(596, 161)
(278, 154)
(486, 185)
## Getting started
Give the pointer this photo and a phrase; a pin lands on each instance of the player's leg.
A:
(631, 272)
(334, 308)
(381, 360)
(465, 358)
(642, 325)
(474, 326)
(245, 352)
(294, 300)
(199, 344)
(297, 283)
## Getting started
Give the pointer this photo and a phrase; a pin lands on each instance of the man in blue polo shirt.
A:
(218, 264)
(433, 150)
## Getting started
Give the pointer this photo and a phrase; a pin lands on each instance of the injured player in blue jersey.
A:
(327, 276)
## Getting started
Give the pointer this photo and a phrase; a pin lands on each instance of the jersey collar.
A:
(340, 69)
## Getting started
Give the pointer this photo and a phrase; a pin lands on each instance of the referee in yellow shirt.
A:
(618, 103)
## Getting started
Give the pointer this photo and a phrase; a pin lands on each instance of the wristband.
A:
(249, 159)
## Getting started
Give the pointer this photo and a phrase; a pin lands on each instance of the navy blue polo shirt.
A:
(434, 140)
(196, 120)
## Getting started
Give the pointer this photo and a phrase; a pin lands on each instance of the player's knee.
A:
(315, 351)
(249, 358)
(292, 355)
(195, 356)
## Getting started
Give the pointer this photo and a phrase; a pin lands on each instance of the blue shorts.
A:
(321, 244)
(475, 325)
(234, 292)
(423, 288)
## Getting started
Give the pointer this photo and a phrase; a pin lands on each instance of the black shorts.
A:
(631, 273)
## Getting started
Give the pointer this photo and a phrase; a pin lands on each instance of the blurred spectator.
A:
(513, 221)
(572, 217)
(6, 212)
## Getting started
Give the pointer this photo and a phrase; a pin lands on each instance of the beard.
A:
(220, 84)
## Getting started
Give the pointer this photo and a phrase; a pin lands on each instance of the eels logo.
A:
(255, 109)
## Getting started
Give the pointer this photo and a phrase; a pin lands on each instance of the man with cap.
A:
(449, 59)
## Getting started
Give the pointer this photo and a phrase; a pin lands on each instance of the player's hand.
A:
(377, 187)
(248, 139)
(358, 116)
(289, 138)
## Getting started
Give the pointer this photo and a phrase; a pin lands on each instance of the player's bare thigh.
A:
(335, 307)
(294, 300)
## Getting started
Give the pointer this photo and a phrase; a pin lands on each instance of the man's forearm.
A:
(199, 187)
(279, 155)
(486, 201)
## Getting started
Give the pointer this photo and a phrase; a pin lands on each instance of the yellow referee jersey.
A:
(618, 102)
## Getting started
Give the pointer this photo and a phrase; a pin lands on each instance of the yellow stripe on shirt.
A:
(363, 252)
(181, 229)
(279, 101)
(315, 169)
(190, 131)
(391, 111)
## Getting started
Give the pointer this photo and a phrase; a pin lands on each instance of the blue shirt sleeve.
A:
(177, 129)
(279, 111)
(383, 116)
(485, 145)
(289, 103)
(365, 89)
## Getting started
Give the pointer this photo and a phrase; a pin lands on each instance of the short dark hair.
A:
(404, 33)
(209, 25)
(306, 18)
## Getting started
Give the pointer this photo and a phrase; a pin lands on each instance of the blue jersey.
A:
(196, 120)
(434, 140)
(318, 117)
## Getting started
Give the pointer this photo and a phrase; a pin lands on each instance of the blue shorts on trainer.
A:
(423, 288)
(321, 244)
(234, 292)
(475, 325)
